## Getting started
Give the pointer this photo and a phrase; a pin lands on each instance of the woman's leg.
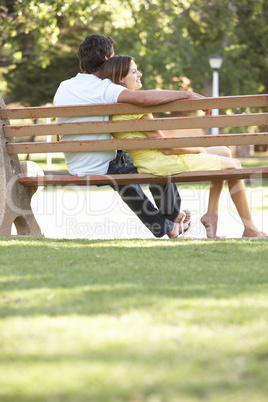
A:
(220, 151)
(210, 218)
(238, 195)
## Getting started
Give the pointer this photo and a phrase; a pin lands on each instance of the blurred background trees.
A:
(171, 41)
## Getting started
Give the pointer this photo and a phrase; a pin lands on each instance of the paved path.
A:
(101, 214)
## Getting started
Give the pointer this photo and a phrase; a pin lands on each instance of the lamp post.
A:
(215, 63)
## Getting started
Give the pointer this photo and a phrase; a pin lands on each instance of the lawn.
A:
(133, 320)
(57, 163)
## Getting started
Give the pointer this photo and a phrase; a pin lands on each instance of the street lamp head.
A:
(215, 61)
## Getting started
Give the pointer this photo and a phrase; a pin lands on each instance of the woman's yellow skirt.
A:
(160, 164)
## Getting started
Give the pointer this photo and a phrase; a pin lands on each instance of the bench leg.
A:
(27, 226)
(15, 199)
(18, 210)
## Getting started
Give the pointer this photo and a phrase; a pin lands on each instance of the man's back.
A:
(87, 89)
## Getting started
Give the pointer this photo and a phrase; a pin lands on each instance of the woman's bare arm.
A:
(170, 151)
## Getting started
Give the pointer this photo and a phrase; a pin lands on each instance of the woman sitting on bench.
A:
(122, 70)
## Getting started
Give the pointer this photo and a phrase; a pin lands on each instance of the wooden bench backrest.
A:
(167, 123)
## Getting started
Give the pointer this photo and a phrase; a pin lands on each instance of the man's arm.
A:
(155, 97)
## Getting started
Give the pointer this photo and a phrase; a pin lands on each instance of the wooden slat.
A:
(225, 102)
(138, 125)
(138, 143)
(216, 175)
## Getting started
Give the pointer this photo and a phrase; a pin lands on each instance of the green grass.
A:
(254, 162)
(58, 162)
(133, 320)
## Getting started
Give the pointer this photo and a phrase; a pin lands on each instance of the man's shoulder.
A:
(87, 89)
(111, 87)
(70, 80)
(90, 79)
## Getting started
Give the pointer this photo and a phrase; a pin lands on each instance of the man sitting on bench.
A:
(87, 87)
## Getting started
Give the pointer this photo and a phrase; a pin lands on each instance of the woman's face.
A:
(132, 79)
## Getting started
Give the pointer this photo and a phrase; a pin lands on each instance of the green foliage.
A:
(170, 40)
(33, 85)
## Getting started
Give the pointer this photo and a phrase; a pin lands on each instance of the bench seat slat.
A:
(216, 175)
(225, 102)
(96, 127)
(137, 143)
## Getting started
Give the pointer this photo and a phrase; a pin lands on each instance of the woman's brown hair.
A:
(116, 68)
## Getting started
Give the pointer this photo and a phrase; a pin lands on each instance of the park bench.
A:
(17, 188)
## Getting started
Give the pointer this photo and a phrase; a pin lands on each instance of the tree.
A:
(171, 41)
(41, 41)
(29, 27)
(177, 38)
(236, 29)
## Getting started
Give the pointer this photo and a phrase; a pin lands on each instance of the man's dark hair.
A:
(92, 52)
